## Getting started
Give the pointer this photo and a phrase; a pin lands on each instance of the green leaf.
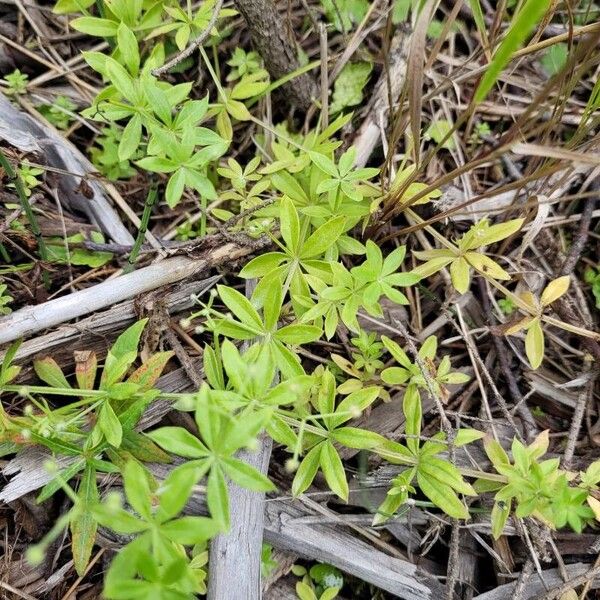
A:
(353, 405)
(118, 520)
(175, 491)
(200, 183)
(190, 530)
(122, 354)
(333, 469)
(262, 265)
(83, 525)
(247, 476)
(307, 470)
(499, 516)
(298, 334)
(495, 451)
(442, 496)
(130, 140)
(323, 238)
(289, 224)
(411, 406)
(178, 441)
(446, 473)
(523, 23)
(121, 79)
(217, 497)
(240, 306)
(49, 372)
(95, 26)
(467, 436)
(175, 187)
(438, 130)
(555, 58)
(325, 164)
(137, 488)
(534, 344)
(354, 437)
(460, 273)
(109, 424)
(70, 6)
(349, 85)
(128, 48)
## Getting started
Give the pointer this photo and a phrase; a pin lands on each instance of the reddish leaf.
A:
(86, 365)
(148, 373)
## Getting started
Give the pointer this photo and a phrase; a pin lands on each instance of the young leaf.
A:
(306, 471)
(217, 497)
(443, 496)
(109, 424)
(190, 530)
(122, 354)
(137, 488)
(247, 476)
(83, 524)
(240, 306)
(178, 441)
(49, 372)
(333, 469)
(555, 289)
(289, 224)
(534, 344)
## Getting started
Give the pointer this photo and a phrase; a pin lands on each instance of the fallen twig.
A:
(32, 319)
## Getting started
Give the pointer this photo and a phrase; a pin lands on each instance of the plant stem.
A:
(18, 183)
(150, 200)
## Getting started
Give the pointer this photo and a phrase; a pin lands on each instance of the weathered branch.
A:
(31, 319)
(273, 41)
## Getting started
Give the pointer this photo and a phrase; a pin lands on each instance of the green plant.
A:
(348, 87)
(555, 58)
(68, 251)
(5, 299)
(16, 82)
(438, 131)
(60, 113)
(524, 20)
(267, 563)
(462, 258)
(154, 564)
(298, 190)
(366, 366)
(532, 322)
(538, 488)
(29, 177)
(361, 287)
(242, 63)
(320, 582)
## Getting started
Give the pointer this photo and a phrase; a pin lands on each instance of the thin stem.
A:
(33, 223)
(150, 201)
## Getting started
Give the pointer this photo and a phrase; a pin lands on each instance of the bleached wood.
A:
(235, 556)
(88, 330)
(27, 321)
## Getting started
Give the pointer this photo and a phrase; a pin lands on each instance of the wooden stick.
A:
(235, 556)
(31, 319)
